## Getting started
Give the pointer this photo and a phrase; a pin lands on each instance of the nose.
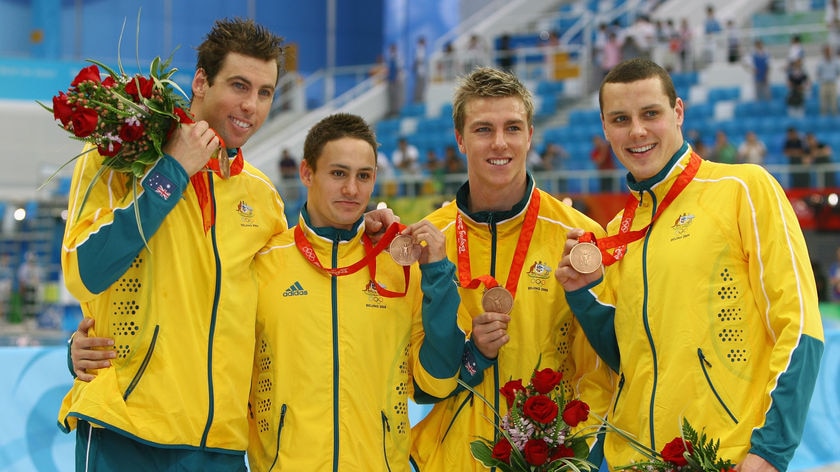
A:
(351, 187)
(637, 128)
(499, 141)
(249, 103)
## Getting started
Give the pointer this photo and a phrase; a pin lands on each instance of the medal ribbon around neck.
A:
(625, 236)
(369, 260)
(519, 253)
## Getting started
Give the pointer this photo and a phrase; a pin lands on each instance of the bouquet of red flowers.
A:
(126, 117)
(692, 451)
(535, 434)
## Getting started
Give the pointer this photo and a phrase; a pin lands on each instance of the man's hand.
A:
(489, 333)
(435, 248)
(192, 145)
(565, 273)
(754, 463)
(377, 222)
(88, 353)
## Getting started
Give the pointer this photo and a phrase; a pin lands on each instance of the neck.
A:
(497, 199)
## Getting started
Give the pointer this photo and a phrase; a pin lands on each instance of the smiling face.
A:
(341, 183)
(495, 138)
(238, 101)
(642, 127)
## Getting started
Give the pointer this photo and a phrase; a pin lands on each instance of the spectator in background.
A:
(832, 24)
(448, 66)
(288, 166)
(598, 44)
(818, 153)
(612, 53)
(7, 276)
(759, 64)
(798, 83)
(602, 156)
(477, 54)
(379, 71)
(795, 51)
(711, 30)
(671, 50)
(406, 158)
(396, 81)
(733, 42)
(420, 69)
(505, 57)
(455, 166)
(828, 72)
(551, 49)
(752, 150)
(794, 149)
(30, 277)
(686, 46)
(724, 151)
(436, 169)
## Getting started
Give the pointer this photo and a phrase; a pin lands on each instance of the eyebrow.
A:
(247, 81)
(348, 168)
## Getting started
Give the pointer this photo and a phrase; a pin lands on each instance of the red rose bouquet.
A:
(126, 117)
(692, 451)
(535, 435)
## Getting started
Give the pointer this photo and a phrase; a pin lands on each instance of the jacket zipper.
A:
(386, 431)
(618, 392)
(279, 433)
(704, 364)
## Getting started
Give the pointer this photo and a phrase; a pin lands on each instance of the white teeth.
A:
(241, 124)
(642, 149)
(499, 162)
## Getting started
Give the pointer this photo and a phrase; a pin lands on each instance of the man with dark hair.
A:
(178, 307)
(345, 332)
(710, 311)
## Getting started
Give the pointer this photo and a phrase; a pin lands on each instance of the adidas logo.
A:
(295, 290)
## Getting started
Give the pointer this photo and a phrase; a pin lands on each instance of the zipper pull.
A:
(703, 357)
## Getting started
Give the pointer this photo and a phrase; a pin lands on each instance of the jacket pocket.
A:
(143, 365)
(467, 400)
(705, 365)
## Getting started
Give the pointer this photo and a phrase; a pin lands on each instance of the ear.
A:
(306, 173)
(459, 138)
(200, 83)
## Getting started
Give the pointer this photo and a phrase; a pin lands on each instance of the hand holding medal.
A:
(585, 256)
(421, 242)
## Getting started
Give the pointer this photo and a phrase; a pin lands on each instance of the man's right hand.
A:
(192, 145)
(90, 353)
(489, 333)
(566, 274)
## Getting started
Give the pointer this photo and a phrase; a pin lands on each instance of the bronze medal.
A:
(497, 299)
(585, 258)
(404, 251)
(224, 165)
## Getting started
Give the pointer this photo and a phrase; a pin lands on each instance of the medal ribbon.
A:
(372, 270)
(625, 236)
(519, 253)
(371, 251)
